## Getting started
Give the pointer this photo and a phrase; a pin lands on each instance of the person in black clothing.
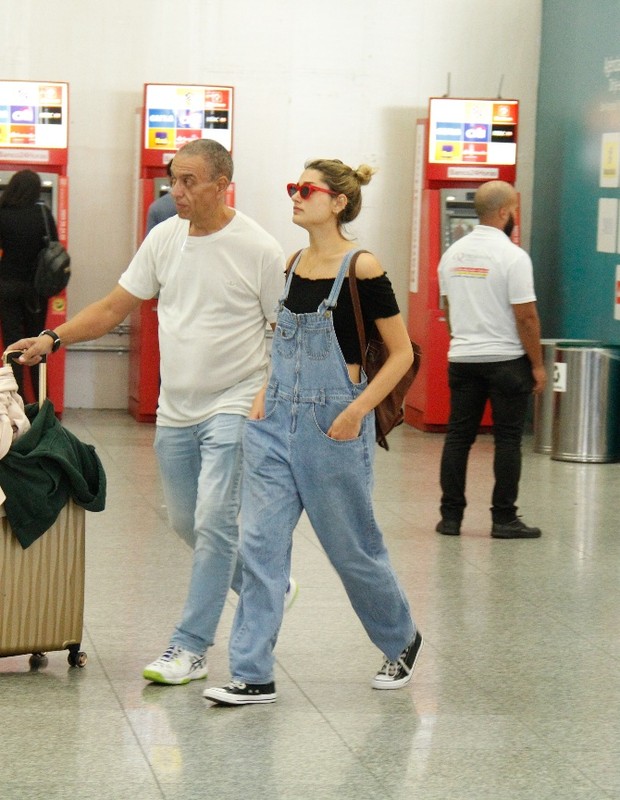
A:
(22, 232)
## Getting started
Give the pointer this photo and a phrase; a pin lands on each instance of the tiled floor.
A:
(516, 695)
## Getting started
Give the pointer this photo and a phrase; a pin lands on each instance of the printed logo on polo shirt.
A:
(469, 272)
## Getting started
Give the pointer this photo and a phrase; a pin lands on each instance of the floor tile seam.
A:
(98, 443)
(557, 619)
(549, 605)
(491, 573)
(477, 682)
(571, 764)
(82, 423)
(545, 741)
(339, 736)
(127, 718)
(144, 494)
(578, 631)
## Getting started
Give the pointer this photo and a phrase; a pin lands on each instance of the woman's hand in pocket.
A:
(257, 411)
(347, 425)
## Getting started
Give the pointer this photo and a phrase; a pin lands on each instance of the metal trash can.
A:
(543, 403)
(586, 404)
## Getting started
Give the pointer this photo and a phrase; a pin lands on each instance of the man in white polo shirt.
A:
(218, 276)
(487, 288)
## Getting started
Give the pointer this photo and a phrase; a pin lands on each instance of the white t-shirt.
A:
(483, 275)
(216, 295)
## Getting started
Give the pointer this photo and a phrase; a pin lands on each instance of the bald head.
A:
(494, 201)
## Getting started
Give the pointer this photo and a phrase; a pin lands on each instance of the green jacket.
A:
(45, 467)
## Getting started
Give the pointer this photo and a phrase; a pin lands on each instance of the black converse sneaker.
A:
(394, 674)
(237, 693)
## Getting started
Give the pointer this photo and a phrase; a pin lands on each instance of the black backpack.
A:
(53, 265)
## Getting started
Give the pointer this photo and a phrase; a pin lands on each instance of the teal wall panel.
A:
(577, 103)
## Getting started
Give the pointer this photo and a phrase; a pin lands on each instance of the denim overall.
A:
(291, 465)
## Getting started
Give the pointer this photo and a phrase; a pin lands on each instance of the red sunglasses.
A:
(306, 189)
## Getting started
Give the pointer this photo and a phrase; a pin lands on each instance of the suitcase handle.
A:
(12, 355)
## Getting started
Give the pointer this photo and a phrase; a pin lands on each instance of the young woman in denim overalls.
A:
(309, 445)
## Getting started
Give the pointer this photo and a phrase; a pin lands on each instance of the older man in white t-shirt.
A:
(218, 276)
(487, 287)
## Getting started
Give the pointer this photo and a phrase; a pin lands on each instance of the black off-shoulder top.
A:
(376, 299)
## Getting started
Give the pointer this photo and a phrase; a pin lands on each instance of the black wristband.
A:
(55, 338)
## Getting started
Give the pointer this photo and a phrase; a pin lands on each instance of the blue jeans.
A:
(508, 386)
(200, 467)
(286, 471)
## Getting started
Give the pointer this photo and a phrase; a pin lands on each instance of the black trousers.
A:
(508, 386)
(22, 313)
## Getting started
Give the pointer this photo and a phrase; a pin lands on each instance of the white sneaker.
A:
(292, 590)
(176, 666)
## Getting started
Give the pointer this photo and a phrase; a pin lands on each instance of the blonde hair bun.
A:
(364, 173)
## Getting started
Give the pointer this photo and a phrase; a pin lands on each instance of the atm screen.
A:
(161, 186)
(459, 227)
(46, 196)
(457, 213)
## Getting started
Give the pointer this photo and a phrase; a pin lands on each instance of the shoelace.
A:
(391, 668)
(171, 653)
(234, 684)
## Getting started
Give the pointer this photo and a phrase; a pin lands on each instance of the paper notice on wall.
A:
(606, 234)
(418, 175)
(617, 294)
(418, 182)
(610, 161)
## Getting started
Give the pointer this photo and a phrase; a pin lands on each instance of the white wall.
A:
(336, 78)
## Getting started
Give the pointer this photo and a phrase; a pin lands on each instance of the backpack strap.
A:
(46, 223)
(292, 261)
(357, 308)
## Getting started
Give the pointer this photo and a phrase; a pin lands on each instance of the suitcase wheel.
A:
(76, 657)
(38, 661)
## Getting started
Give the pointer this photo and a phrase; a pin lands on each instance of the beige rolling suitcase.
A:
(42, 590)
(42, 587)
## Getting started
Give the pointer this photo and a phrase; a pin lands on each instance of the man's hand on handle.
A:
(32, 349)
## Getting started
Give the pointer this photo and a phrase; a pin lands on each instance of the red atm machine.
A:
(173, 115)
(462, 143)
(34, 128)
